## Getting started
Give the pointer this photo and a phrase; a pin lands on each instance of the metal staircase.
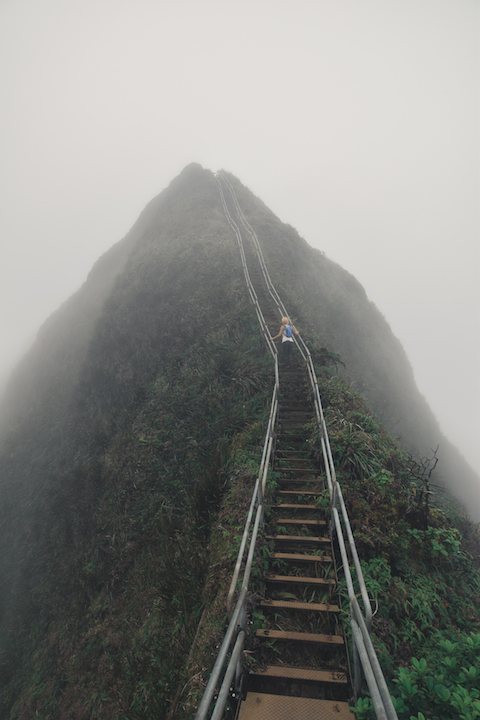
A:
(301, 668)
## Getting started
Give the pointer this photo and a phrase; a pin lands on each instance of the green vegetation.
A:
(108, 503)
(420, 559)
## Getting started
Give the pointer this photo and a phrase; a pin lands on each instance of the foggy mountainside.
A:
(332, 304)
(130, 437)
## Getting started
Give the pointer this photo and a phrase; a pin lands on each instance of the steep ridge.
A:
(126, 468)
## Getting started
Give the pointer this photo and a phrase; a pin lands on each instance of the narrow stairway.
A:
(302, 670)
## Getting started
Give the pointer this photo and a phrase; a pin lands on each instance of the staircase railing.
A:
(364, 655)
(236, 629)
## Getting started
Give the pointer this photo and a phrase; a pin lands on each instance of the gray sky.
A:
(355, 122)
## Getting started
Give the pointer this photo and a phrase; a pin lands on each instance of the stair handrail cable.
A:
(259, 489)
(237, 616)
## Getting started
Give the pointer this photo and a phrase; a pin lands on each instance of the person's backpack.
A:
(288, 331)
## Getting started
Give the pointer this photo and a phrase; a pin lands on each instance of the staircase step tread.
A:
(288, 451)
(288, 406)
(311, 481)
(300, 441)
(297, 492)
(292, 424)
(300, 580)
(299, 507)
(294, 605)
(262, 706)
(305, 471)
(286, 414)
(301, 673)
(299, 538)
(301, 637)
(294, 521)
(296, 557)
(281, 459)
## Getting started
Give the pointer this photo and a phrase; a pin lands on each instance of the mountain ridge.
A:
(127, 458)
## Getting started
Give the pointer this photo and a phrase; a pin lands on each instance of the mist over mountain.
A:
(327, 300)
(123, 413)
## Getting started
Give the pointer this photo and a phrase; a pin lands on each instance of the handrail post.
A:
(227, 681)
(217, 668)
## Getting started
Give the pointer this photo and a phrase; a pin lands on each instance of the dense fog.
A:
(357, 124)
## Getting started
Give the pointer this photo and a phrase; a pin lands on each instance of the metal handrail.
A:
(363, 652)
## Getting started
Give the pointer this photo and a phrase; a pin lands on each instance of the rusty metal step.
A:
(294, 605)
(262, 706)
(301, 674)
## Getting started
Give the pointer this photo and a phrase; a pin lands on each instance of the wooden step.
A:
(286, 451)
(288, 635)
(310, 480)
(262, 706)
(291, 416)
(292, 424)
(299, 538)
(295, 415)
(291, 441)
(294, 521)
(291, 404)
(301, 674)
(298, 580)
(293, 459)
(296, 557)
(295, 464)
(296, 492)
(294, 605)
(305, 471)
(298, 507)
